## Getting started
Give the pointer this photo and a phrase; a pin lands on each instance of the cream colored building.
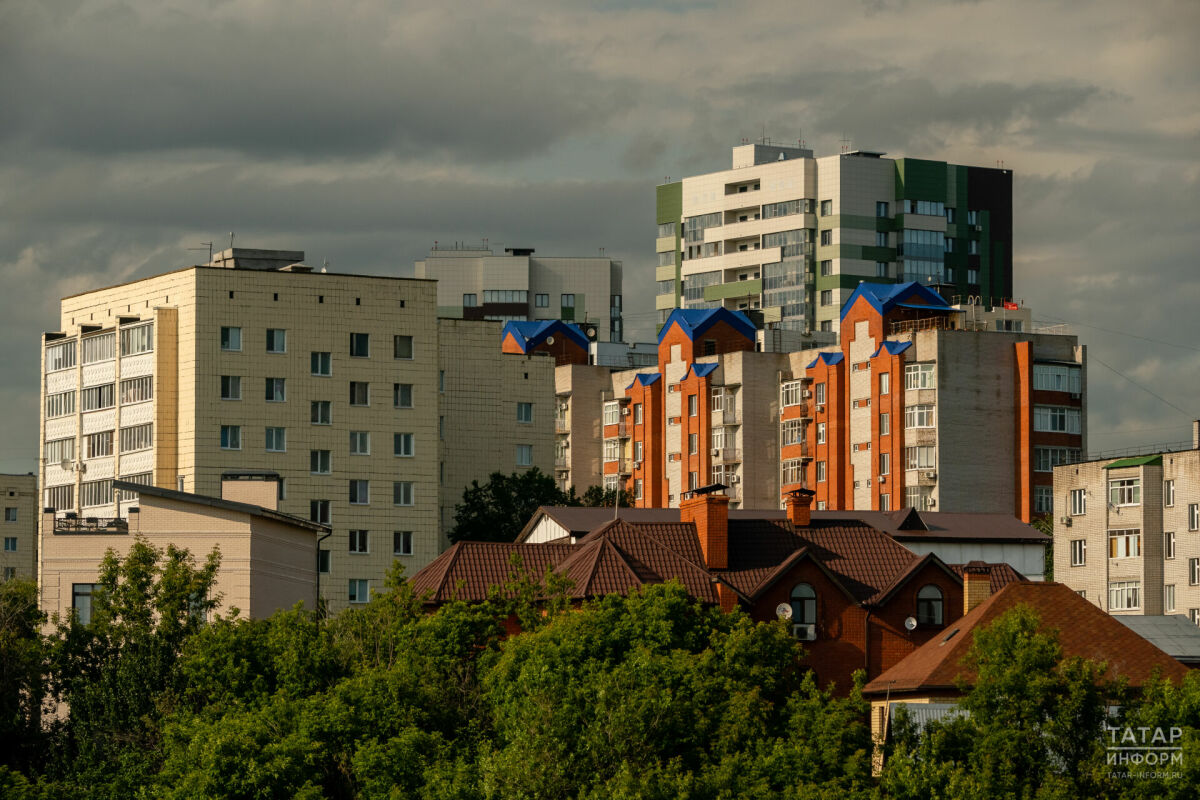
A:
(18, 527)
(255, 362)
(268, 559)
(478, 283)
(1127, 531)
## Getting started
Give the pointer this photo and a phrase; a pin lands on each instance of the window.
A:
(921, 457)
(819, 393)
(402, 347)
(919, 376)
(885, 424)
(826, 237)
(10, 542)
(568, 301)
(1056, 419)
(360, 492)
(60, 356)
(612, 413)
(792, 393)
(319, 462)
(276, 340)
(693, 405)
(359, 590)
(59, 450)
(99, 348)
(96, 493)
(276, 440)
(402, 543)
(81, 601)
(231, 437)
(885, 502)
(1168, 597)
(1045, 459)
(881, 209)
(1169, 545)
(323, 561)
(470, 300)
(137, 437)
(693, 480)
(1078, 552)
(827, 297)
(826, 208)
(231, 387)
(637, 413)
(360, 345)
(360, 443)
(524, 455)
(136, 390)
(321, 364)
(1168, 493)
(524, 412)
(402, 445)
(827, 267)
(1043, 499)
(276, 390)
(402, 493)
(820, 472)
(1194, 516)
(881, 239)
(1193, 571)
(793, 432)
(231, 338)
(885, 463)
(322, 412)
(972, 276)
(929, 605)
(1078, 502)
(137, 340)
(60, 404)
(804, 605)
(1125, 543)
(1194, 615)
(637, 451)
(820, 433)
(360, 393)
(360, 541)
(973, 247)
(98, 397)
(918, 497)
(318, 511)
(98, 444)
(1057, 378)
(918, 416)
(402, 395)
(60, 497)
(693, 443)
(881, 269)
(1125, 492)
(543, 300)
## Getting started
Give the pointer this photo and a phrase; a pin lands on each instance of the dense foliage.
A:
(650, 696)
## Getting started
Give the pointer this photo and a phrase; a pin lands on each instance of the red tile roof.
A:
(1083, 630)
(468, 570)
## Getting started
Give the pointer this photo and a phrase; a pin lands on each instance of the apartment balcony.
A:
(562, 425)
(727, 455)
(560, 462)
(75, 524)
(731, 416)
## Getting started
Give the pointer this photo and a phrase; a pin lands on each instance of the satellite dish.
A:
(549, 340)
(911, 623)
(783, 611)
(66, 464)
(590, 332)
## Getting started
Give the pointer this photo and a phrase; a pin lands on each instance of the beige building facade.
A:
(334, 381)
(268, 559)
(1127, 531)
(18, 527)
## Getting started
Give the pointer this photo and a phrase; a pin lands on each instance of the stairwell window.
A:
(1194, 516)
(820, 472)
(1078, 552)
(524, 455)
(1078, 502)
(524, 412)
(1125, 543)
(1125, 492)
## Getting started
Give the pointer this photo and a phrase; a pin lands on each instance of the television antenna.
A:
(202, 246)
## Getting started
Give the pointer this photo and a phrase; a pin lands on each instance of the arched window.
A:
(929, 605)
(804, 605)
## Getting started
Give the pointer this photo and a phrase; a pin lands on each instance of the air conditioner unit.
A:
(1066, 521)
(932, 502)
(806, 394)
(979, 228)
(820, 408)
(1075, 395)
(734, 479)
(716, 451)
(805, 633)
(882, 479)
(624, 412)
(931, 476)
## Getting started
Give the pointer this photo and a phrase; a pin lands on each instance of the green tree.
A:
(497, 510)
(597, 496)
(22, 665)
(1045, 524)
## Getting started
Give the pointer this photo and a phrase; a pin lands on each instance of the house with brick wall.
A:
(855, 597)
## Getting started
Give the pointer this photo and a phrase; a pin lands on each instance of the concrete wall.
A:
(18, 526)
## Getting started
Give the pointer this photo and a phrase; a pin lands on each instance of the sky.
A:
(363, 131)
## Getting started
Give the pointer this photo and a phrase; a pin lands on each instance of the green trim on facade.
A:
(669, 197)
(861, 252)
(917, 179)
(1137, 461)
(725, 291)
(452, 312)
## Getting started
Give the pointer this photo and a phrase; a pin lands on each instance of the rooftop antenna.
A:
(325, 265)
(231, 241)
(845, 144)
(203, 245)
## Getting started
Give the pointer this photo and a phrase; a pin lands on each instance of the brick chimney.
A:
(710, 514)
(256, 487)
(799, 507)
(977, 584)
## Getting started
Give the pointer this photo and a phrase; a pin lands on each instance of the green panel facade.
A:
(917, 179)
(725, 291)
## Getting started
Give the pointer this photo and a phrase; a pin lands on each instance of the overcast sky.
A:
(361, 132)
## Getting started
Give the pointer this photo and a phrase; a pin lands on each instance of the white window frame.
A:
(1125, 543)
(920, 376)
(403, 493)
(360, 541)
(527, 408)
(1124, 492)
(320, 364)
(398, 395)
(275, 390)
(322, 460)
(321, 412)
(404, 445)
(1078, 498)
(360, 443)
(275, 439)
(1078, 552)
(276, 340)
(1124, 595)
(359, 591)
(402, 543)
(360, 492)
(231, 339)
(919, 416)
(231, 437)
(524, 455)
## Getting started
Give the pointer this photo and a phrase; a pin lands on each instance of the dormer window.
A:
(804, 605)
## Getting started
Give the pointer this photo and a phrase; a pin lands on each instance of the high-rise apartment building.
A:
(370, 409)
(790, 236)
(18, 526)
(1127, 531)
(477, 283)
(923, 404)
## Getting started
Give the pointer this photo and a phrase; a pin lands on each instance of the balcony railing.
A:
(560, 462)
(732, 416)
(561, 425)
(91, 525)
(728, 455)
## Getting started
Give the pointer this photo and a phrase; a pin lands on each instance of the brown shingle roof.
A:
(867, 561)
(1001, 575)
(1083, 630)
(469, 569)
(908, 523)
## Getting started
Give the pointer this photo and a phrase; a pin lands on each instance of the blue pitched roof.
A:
(893, 348)
(885, 296)
(695, 321)
(828, 358)
(534, 332)
(644, 378)
(701, 370)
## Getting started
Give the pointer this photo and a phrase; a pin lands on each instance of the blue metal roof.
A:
(829, 358)
(702, 370)
(884, 296)
(893, 348)
(644, 378)
(532, 333)
(695, 321)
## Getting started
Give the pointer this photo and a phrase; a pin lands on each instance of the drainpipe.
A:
(317, 606)
(867, 644)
